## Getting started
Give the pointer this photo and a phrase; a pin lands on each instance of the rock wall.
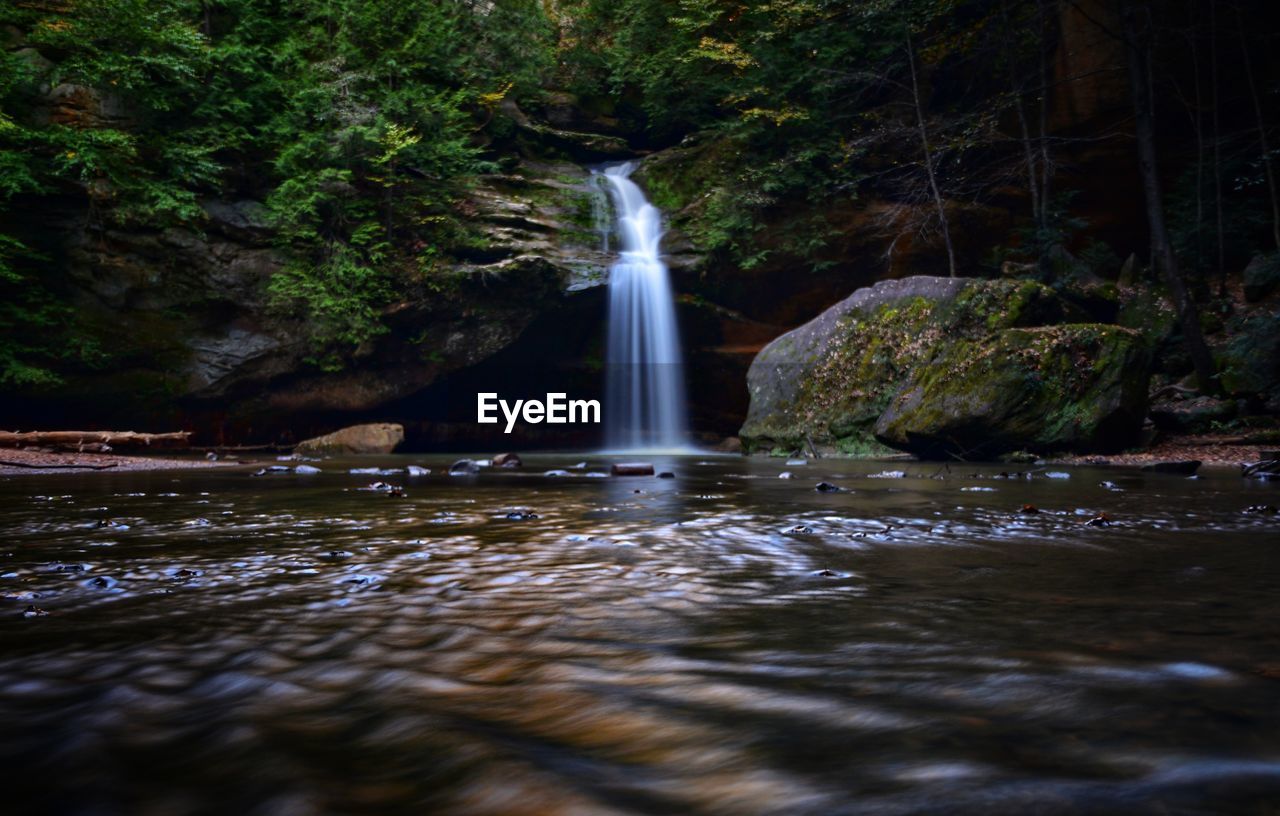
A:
(196, 343)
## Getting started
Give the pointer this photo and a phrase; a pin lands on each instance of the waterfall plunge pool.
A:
(724, 642)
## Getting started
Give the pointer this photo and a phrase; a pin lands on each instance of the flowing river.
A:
(723, 642)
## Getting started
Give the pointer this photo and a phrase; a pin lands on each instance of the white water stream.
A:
(644, 376)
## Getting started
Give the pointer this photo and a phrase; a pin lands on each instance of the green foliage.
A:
(1193, 225)
(792, 95)
(340, 299)
(31, 322)
(1250, 360)
(354, 120)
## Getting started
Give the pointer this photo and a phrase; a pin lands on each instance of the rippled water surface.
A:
(725, 642)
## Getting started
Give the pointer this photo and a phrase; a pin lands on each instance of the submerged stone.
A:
(1184, 467)
(508, 460)
(266, 471)
(632, 469)
(464, 467)
(1261, 470)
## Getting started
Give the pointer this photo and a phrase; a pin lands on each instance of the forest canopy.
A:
(359, 123)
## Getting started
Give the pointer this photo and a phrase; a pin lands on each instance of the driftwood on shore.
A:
(85, 439)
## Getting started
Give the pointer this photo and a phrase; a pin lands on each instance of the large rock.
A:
(829, 380)
(1248, 352)
(1261, 277)
(1191, 415)
(378, 437)
(944, 366)
(1080, 387)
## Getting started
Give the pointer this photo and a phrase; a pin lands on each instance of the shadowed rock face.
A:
(199, 345)
(941, 366)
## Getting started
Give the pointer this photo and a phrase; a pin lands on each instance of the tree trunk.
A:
(928, 158)
(1262, 133)
(1198, 120)
(1137, 45)
(1016, 86)
(1221, 264)
(1046, 163)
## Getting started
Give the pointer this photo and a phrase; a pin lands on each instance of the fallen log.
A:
(75, 439)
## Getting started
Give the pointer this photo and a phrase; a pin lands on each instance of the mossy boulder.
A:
(829, 380)
(1248, 352)
(1261, 277)
(1196, 414)
(1079, 387)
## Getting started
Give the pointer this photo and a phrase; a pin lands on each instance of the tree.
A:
(1262, 130)
(1136, 35)
(929, 159)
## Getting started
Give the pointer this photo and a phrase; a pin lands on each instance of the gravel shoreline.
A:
(1210, 450)
(14, 462)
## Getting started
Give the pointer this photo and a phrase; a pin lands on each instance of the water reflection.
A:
(725, 642)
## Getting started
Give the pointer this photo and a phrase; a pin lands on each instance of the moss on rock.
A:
(830, 380)
(1080, 387)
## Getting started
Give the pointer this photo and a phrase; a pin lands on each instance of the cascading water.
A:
(644, 377)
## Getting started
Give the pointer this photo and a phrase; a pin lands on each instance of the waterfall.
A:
(644, 376)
